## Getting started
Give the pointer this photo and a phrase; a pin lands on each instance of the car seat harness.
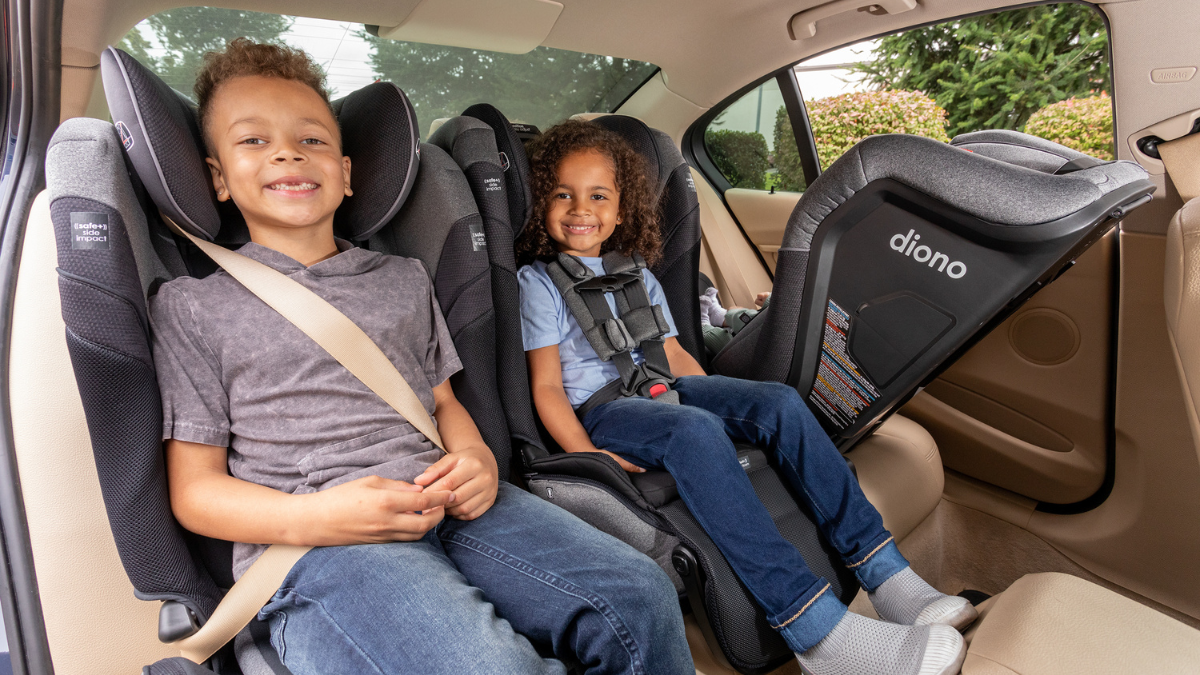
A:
(641, 325)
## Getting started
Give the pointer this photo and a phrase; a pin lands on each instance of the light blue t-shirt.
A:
(545, 321)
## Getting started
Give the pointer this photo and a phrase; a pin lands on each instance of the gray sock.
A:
(861, 646)
(901, 598)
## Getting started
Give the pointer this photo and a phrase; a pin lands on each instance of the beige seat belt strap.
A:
(1182, 159)
(352, 348)
(721, 249)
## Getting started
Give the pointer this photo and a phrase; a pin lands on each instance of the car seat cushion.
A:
(1017, 148)
(158, 129)
(983, 187)
(380, 135)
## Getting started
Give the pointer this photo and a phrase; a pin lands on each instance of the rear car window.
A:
(540, 88)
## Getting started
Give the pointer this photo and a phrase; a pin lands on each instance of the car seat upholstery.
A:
(862, 313)
(114, 251)
(1181, 295)
(472, 145)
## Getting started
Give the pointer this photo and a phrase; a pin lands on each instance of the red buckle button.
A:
(657, 389)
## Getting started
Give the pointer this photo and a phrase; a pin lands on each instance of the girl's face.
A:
(583, 210)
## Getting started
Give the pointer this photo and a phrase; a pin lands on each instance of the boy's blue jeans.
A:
(692, 442)
(477, 596)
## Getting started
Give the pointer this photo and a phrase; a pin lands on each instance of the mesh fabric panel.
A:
(124, 416)
(379, 133)
(641, 139)
(777, 340)
(516, 176)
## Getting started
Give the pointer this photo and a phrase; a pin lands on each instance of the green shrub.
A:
(741, 156)
(838, 122)
(1083, 124)
(787, 160)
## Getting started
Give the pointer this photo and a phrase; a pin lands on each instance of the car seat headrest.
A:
(159, 130)
(380, 136)
(513, 160)
(646, 142)
(157, 127)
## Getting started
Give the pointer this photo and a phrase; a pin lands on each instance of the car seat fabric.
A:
(994, 191)
(437, 227)
(472, 145)
(1019, 149)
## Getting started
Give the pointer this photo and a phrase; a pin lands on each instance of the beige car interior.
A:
(980, 477)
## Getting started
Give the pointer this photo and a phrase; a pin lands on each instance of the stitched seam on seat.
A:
(554, 581)
(802, 609)
(872, 553)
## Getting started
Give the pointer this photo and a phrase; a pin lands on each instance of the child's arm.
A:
(208, 501)
(681, 362)
(469, 467)
(555, 411)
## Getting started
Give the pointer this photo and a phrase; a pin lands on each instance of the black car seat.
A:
(472, 144)
(906, 251)
(644, 509)
(114, 251)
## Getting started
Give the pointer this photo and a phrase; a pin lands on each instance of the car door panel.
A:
(763, 216)
(1026, 408)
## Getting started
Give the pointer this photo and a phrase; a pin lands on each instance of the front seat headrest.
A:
(159, 131)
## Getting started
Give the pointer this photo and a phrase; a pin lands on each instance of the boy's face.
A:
(584, 208)
(278, 153)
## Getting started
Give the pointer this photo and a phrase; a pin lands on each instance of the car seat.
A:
(906, 251)
(114, 251)
(644, 509)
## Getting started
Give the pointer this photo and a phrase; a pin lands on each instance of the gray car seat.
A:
(907, 251)
(114, 252)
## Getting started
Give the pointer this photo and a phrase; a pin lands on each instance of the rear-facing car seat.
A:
(906, 251)
(114, 251)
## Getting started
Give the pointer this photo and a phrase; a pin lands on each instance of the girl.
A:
(591, 195)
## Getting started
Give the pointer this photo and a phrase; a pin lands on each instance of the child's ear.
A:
(218, 178)
(346, 176)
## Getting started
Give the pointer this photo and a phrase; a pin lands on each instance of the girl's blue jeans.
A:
(521, 589)
(692, 442)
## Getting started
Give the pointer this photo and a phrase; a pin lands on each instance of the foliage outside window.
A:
(540, 88)
(1083, 124)
(745, 141)
(995, 71)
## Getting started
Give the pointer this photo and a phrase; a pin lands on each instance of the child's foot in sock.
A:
(861, 646)
(907, 599)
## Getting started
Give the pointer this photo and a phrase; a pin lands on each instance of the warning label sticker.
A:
(840, 390)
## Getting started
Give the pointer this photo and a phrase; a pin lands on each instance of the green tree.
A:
(540, 88)
(188, 32)
(741, 156)
(994, 71)
(1083, 124)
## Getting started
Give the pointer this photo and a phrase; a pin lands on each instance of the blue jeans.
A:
(482, 596)
(692, 442)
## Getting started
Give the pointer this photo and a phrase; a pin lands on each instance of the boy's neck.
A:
(307, 245)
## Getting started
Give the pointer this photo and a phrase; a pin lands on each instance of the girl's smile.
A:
(584, 209)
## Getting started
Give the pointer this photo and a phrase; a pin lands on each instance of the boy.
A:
(270, 440)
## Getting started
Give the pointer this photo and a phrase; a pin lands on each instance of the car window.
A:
(540, 88)
(751, 142)
(1042, 70)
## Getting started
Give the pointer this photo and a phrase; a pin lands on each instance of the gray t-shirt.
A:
(234, 373)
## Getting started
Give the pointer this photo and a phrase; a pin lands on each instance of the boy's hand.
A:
(470, 473)
(374, 510)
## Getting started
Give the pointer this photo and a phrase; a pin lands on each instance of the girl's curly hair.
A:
(638, 230)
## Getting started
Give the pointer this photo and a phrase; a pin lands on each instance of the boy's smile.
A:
(277, 154)
(585, 207)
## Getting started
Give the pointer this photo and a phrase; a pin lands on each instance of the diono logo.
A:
(907, 244)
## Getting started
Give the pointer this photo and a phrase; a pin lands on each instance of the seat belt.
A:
(351, 347)
(1182, 159)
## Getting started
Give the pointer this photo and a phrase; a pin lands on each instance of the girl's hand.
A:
(470, 473)
(631, 468)
(373, 510)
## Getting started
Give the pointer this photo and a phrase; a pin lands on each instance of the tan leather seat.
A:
(900, 471)
(1181, 294)
(1057, 624)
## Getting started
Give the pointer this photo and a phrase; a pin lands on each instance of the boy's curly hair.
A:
(638, 230)
(242, 57)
